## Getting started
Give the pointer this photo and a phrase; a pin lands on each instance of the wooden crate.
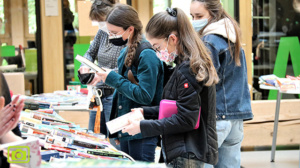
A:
(259, 131)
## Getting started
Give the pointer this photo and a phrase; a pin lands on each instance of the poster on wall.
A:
(51, 7)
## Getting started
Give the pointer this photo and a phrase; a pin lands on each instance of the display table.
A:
(279, 93)
(69, 104)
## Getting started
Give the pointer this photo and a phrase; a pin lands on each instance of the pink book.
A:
(168, 107)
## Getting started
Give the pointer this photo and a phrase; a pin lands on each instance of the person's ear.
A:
(131, 30)
(173, 39)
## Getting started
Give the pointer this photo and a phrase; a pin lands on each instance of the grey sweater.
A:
(106, 53)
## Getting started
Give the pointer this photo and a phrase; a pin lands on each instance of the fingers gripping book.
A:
(121, 122)
(89, 64)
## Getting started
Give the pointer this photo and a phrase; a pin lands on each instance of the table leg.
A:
(275, 126)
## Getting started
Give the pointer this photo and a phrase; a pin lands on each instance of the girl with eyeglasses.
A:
(107, 55)
(139, 81)
(192, 87)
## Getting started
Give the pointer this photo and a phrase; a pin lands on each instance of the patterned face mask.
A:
(165, 56)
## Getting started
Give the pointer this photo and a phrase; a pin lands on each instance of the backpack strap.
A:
(141, 47)
(136, 60)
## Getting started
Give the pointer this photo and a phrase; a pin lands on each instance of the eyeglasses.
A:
(114, 35)
(157, 49)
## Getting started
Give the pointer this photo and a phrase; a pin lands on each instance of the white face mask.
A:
(199, 24)
(101, 24)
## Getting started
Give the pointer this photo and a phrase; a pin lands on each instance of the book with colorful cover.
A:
(286, 84)
(269, 80)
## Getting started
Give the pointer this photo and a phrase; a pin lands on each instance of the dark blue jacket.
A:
(233, 96)
(128, 95)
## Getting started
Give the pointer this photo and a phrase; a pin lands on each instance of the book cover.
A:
(89, 64)
(25, 153)
(121, 122)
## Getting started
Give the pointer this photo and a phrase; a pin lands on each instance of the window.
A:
(160, 5)
(75, 13)
(2, 18)
(31, 17)
(272, 21)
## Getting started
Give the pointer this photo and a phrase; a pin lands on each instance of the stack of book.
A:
(290, 83)
(60, 139)
(51, 141)
(58, 100)
(58, 136)
(269, 80)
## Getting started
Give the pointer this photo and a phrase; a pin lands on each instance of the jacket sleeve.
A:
(147, 72)
(214, 53)
(151, 112)
(94, 47)
(188, 105)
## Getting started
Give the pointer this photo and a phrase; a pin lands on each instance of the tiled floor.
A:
(261, 159)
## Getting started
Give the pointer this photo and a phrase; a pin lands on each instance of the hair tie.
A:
(100, 2)
(172, 12)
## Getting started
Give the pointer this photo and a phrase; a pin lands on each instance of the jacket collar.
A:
(220, 28)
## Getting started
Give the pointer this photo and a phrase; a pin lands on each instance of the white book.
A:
(24, 153)
(121, 122)
(89, 64)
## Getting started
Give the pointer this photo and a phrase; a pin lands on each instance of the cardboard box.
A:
(16, 82)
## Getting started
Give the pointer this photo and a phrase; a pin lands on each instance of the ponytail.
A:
(189, 47)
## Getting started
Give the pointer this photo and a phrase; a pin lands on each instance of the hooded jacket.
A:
(233, 96)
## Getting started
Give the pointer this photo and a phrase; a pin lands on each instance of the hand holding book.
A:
(133, 128)
(103, 75)
(89, 64)
(131, 119)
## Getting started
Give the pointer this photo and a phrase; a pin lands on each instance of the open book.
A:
(121, 122)
(89, 64)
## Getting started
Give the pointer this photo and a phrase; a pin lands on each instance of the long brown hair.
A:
(217, 12)
(100, 9)
(125, 16)
(189, 47)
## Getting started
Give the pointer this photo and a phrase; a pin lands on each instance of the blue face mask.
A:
(199, 24)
